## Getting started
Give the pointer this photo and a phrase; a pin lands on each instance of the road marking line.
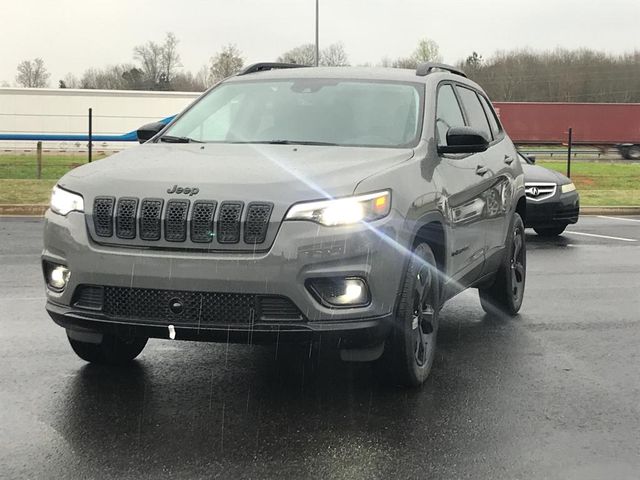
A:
(602, 236)
(620, 218)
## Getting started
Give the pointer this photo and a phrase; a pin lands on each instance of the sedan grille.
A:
(185, 307)
(540, 191)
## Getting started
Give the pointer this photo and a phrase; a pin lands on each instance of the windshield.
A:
(307, 111)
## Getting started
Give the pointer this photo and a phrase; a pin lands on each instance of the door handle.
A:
(481, 170)
(508, 160)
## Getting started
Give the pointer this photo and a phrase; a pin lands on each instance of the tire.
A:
(505, 295)
(633, 152)
(410, 349)
(552, 231)
(112, 350)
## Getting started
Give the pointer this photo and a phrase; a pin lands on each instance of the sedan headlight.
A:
(63, 202)
(567, 187)
(343, 211)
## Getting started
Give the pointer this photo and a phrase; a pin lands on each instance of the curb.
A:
(23, 210)
(37, 210)
(609, 210)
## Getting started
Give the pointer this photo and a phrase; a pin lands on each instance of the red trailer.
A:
(598, 124)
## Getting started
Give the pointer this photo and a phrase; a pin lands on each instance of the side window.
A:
(448, 113)
(475, 112)
(491, 115)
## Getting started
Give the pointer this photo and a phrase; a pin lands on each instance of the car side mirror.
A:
(464, 140)
(148, 131)
(531, 158)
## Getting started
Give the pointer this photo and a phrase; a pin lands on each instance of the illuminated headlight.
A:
(343, 211)
(567, 187)
(63, 202)
(57, 276)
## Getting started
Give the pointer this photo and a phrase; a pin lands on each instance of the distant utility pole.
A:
(317, 33)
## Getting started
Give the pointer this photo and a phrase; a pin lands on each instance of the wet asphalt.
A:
(553, 393)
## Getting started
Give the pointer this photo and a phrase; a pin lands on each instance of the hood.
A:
(538, 174)
(278, 173)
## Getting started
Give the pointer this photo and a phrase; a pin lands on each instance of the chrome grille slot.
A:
(126, 218)
(257, 222)
(229, 222)
(103, 216)
(202, 221)
(150, 219)
(175, 221)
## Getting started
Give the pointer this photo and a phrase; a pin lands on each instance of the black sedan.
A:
(552, 199)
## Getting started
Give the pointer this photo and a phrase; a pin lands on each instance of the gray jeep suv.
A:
(293, 204)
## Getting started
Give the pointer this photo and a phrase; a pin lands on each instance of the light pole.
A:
(317, 33)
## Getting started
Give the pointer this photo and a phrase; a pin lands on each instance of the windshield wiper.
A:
(295, 142)
(173, 139)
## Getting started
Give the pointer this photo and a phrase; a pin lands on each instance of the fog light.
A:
(58, 277)
(340, 292)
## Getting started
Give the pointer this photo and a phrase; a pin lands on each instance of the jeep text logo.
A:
(191, 191)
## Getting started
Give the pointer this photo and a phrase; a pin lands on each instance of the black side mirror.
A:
(148, 131)
(531, 158)
(464, 140)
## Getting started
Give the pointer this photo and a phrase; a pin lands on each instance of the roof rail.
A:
(427, 67)
(264, 66)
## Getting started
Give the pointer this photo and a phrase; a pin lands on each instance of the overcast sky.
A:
(72, 35)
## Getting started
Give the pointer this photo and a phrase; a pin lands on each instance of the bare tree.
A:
(32, 74)
(427, 51)
(170, 59)
(158, 61)
(69, 81)
(334, 56)
(301, 55)
(227, 62)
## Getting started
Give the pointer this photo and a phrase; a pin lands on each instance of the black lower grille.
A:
(185, 307)
(89, 297)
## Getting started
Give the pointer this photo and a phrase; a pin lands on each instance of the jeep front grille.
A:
(196, 308)
(149, 222)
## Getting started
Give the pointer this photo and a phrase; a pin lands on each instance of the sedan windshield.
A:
(306, 111)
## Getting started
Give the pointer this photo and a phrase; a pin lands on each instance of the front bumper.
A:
(562, 208)
(301, 251)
